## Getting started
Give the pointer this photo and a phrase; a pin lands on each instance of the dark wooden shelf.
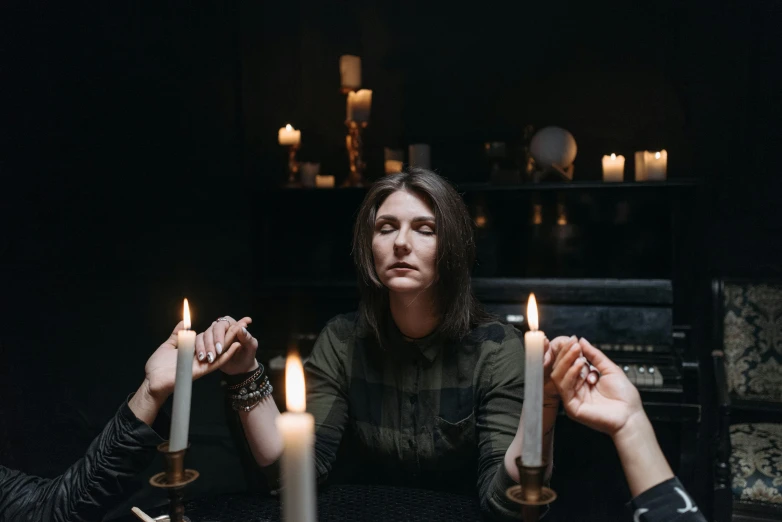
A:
(526, 187)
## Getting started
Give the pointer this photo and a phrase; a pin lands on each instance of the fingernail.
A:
(592, 378)
(219, 348)
(583, 372)
(201, 356)
(245, 331)
(210, 357)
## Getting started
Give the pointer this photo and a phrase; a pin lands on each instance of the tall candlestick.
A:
(359, 106)
(180, 414)
(297, 466)
(532, 438)
(350, 72)
(613, 168)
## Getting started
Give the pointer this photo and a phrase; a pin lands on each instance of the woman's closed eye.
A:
(386, 229)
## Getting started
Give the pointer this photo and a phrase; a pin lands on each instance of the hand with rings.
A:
(227, 333)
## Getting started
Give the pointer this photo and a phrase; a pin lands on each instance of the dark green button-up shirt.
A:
(421, 413)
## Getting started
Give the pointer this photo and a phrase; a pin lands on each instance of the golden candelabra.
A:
(354, 145)
(530, 493)
(174, 479)
(293, 166)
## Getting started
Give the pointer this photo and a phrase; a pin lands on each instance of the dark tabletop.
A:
(344, 504)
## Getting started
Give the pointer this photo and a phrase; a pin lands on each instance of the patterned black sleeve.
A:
(668, 502)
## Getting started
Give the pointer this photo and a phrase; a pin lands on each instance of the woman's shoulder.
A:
(494, 332)
(344, 326)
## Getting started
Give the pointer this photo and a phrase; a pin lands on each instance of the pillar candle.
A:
(359, 105)
(532, 421)
(393, 166)
(656, 165)
(324, 181)
(350, 72)
(297, 466)
(183, 386)
(289, 136)
(613, 168)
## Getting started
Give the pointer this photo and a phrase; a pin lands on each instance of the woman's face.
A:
(404, 244)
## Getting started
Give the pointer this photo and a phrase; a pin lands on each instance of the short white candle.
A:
(613, 168)
(532, 438)
(393, 166)
(359, 105)
(324, 181)
(289, 136)
(420, 155)
(297, 429)
(183, 386)
(656, 165)
(350, 72)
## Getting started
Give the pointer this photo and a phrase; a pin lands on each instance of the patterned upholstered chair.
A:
(748, 373)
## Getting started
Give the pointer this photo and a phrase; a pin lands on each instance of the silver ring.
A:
(224, 319)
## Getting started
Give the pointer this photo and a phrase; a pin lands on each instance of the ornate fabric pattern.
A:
(756, 462)
(752, 341)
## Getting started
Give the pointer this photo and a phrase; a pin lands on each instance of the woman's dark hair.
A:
(454, 300)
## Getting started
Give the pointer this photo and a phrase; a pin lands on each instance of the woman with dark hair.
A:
(421, 387)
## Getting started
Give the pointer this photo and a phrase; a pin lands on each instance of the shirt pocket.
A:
(455, 439)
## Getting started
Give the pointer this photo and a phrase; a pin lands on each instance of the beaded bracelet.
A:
(250, 396)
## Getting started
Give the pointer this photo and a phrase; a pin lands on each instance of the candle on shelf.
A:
(394, 160)
(183, 386)
(308, 172)
(324, 181)
(420, 155)
(350, 72)
(656, 165)
(359, 105)
(393, 166)
(651, 166)
(297, 429)
(532, 438)
(613, 168)
(289, 136)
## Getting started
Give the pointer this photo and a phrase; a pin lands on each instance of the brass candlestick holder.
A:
(293, 166)
(174, 479)
(530, 493)
(354, 145)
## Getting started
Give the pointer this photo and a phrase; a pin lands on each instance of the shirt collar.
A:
(427, 346)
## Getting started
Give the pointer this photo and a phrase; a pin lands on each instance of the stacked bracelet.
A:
(248, 393)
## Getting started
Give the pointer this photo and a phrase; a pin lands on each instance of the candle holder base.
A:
(174, 479)
(354, 144)
(293, 167)
(531, 493)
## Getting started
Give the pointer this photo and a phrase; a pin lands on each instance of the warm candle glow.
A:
(613, 156)
(295, 393)
(656, 155)
(532, 313)
(288, 127)
(186, 316)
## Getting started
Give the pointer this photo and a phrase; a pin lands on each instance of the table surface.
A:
(343, 503)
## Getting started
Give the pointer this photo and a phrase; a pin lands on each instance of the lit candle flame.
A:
(532, 313)
(186, 316)
(288, 127)
(656, 155)
(613, 156)
(295, 394)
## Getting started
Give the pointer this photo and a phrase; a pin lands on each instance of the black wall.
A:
(133, 137)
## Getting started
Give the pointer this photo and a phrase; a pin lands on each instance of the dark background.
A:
(136, 141)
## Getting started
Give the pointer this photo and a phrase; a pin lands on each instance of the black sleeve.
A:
(92, 486)
(665, 502)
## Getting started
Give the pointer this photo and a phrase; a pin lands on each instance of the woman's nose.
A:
(402, 241)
